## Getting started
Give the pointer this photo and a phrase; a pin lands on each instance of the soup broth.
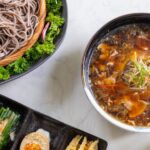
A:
(120, 74)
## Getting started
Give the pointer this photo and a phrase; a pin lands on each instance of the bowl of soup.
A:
(116, 72)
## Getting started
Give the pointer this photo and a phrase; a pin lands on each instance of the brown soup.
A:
(120, 74)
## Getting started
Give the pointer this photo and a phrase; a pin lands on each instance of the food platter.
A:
(57, 42)
(30, 120)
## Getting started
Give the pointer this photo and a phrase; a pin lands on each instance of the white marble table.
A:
(55, 88)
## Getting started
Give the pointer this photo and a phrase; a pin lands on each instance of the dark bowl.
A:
(58, 42)
(118, 22)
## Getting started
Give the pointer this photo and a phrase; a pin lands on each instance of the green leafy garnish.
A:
(4, 73)
(19, 66)
(40, 49)
(138, 74)
(8, 120)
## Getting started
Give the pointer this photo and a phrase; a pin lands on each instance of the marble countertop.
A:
(55, 88)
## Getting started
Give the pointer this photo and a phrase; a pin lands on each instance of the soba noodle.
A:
(18, 20)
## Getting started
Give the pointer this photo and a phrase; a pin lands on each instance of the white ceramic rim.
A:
(112, 119)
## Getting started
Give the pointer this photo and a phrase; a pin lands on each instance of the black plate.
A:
(58, 42)
(61, 134)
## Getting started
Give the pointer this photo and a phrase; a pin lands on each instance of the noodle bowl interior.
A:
(18, 21)
(120, 74)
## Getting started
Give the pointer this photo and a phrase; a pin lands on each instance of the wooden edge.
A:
(32, 41)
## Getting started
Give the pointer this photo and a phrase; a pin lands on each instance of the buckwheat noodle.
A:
(18, 20)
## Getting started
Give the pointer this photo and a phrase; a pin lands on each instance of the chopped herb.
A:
(138, 75)
(9, 120)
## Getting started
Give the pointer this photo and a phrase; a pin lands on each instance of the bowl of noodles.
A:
(30, 32)
(116, 72)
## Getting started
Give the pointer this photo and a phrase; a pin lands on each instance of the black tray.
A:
(61, 134)
(58, 42)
